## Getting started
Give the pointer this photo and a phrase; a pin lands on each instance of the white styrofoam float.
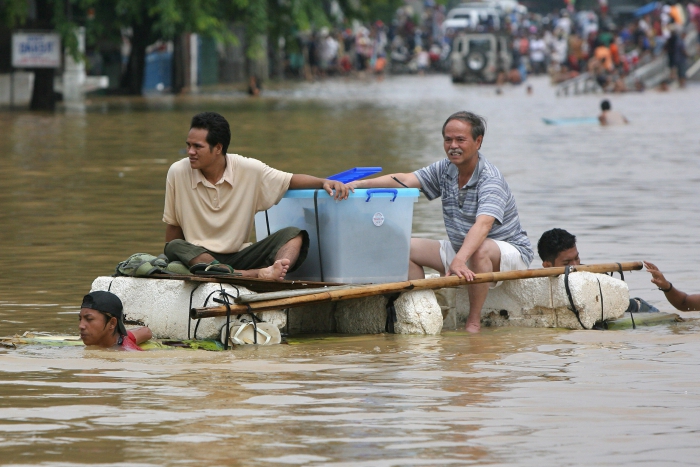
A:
(542, 302)
(163, 305)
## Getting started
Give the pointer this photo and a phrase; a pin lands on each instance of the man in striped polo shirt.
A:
(479, 210)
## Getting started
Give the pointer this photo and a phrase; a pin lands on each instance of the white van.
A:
(479, 57)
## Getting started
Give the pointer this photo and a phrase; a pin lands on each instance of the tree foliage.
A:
(148, 21)
(13, 12)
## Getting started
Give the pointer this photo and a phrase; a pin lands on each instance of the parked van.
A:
(479, 57)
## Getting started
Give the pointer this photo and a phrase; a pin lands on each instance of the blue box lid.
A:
(355, 173)
(364, 194)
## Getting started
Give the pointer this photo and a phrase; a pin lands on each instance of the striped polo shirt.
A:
(486, 193)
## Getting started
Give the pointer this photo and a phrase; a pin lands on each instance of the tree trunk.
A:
(179, 63)
(43, 97)
(132, 80)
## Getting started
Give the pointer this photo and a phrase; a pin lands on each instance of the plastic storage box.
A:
(363, 239)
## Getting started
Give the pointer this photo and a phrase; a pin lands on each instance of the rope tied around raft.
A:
(567, 270)
(603, 323)
(391, 313)
(224, 300)
(622, 278)
(189, 321)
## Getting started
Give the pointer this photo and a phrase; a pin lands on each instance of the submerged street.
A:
(82, 189)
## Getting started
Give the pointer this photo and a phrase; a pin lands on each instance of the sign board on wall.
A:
(36, 50)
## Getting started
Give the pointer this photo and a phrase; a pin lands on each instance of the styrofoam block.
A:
(418, 312)
(542, 302)
(587, 296)
(163, 305)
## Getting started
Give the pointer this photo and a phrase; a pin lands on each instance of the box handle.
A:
(382, 190)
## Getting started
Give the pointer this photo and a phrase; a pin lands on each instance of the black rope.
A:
(228, 315)
(568, 294)
(206, 302)
(109, 289)
(622, 277)
(603, 323)
(255, 325)
(255, 320)
(225, 301)
(267, 222)
(391, 317)
(189, 321)
(318, 235)
(634, 326)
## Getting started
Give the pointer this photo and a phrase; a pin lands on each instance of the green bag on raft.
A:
(143, 264)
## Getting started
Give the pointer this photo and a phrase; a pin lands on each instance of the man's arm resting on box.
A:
(474, 239)
(408, 180)
(173, 232)
(301, 181)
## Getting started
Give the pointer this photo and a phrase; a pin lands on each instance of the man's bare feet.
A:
(473, 327)
(276, 272)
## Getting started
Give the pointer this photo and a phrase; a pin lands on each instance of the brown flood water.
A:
(83, 189)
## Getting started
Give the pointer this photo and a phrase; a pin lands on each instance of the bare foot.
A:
(276, 272)
(473, 327)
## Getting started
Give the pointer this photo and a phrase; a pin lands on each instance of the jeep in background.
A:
(479, 57)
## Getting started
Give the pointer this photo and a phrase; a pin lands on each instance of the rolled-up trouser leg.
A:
(264, 253)
(183, 251)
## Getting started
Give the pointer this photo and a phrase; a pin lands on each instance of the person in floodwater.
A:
(680, 300)
(610, 117)
(102, 323)
(557, 248)
(478, 208)
(211, 198)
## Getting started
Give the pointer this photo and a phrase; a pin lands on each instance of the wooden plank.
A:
(393, 287)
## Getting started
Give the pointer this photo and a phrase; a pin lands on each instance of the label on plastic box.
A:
(378, 219)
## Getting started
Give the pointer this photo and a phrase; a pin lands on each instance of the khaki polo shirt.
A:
(220, 217)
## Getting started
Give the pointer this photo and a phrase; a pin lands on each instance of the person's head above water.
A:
(557, 247)
(101, 319)
(605, 105)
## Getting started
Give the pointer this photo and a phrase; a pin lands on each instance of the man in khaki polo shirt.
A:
(211, 198)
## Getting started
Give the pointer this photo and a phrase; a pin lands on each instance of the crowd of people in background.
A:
(412, 43)
(563, 44)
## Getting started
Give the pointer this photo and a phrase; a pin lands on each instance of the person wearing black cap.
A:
(102, 323)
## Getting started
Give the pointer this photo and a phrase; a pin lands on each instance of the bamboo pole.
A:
(261, 297)
(393, 287)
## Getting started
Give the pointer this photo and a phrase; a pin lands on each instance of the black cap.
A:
(106, 302)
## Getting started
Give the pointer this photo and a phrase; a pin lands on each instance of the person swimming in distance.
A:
(610, 117)
(102, 323)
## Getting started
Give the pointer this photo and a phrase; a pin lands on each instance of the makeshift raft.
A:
(188, 307)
